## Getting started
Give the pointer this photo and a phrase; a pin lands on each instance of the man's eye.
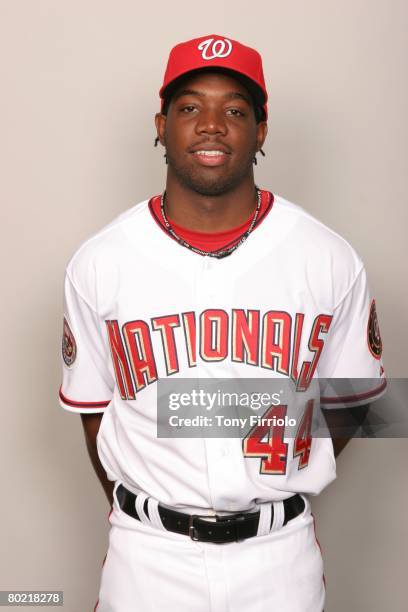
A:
(235, 112)
(188, 109)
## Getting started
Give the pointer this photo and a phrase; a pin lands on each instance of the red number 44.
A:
(266, 440)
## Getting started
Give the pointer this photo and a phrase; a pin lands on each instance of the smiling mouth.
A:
(213, 157)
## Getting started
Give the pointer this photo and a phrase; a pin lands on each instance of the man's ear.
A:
(160, 121)
(261, 132)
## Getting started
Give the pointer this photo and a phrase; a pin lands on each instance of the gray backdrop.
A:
(79, 91)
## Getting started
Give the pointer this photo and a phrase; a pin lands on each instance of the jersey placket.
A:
(213, 288)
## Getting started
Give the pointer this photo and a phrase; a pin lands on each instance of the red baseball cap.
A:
(220, 53)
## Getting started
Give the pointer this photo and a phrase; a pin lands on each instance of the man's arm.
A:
(344, 420)
(91, 424)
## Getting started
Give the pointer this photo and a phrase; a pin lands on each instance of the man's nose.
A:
(211, 121)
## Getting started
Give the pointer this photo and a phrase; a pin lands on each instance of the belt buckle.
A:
(232, 518)
(192, 529)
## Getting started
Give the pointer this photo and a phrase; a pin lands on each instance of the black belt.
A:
(231, 528)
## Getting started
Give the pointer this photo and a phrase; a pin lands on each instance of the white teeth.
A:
(210, 153)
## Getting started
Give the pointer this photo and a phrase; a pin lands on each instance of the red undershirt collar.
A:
(212, 241)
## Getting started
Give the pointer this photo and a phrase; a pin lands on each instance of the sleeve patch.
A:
(373, 333)
(69, 346)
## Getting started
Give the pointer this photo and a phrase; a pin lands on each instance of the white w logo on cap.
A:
(211, 48)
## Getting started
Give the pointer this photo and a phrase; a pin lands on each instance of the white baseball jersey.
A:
(291, 302)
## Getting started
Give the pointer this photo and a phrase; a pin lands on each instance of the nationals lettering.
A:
(243, 336)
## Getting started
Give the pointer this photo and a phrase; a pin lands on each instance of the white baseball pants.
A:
(148, 569)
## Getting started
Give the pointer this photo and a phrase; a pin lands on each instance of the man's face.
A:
(210, 133)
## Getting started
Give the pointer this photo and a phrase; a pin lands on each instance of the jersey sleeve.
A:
(87, 383)
(351, 363)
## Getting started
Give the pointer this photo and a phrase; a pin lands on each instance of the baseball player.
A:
(214, 278)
